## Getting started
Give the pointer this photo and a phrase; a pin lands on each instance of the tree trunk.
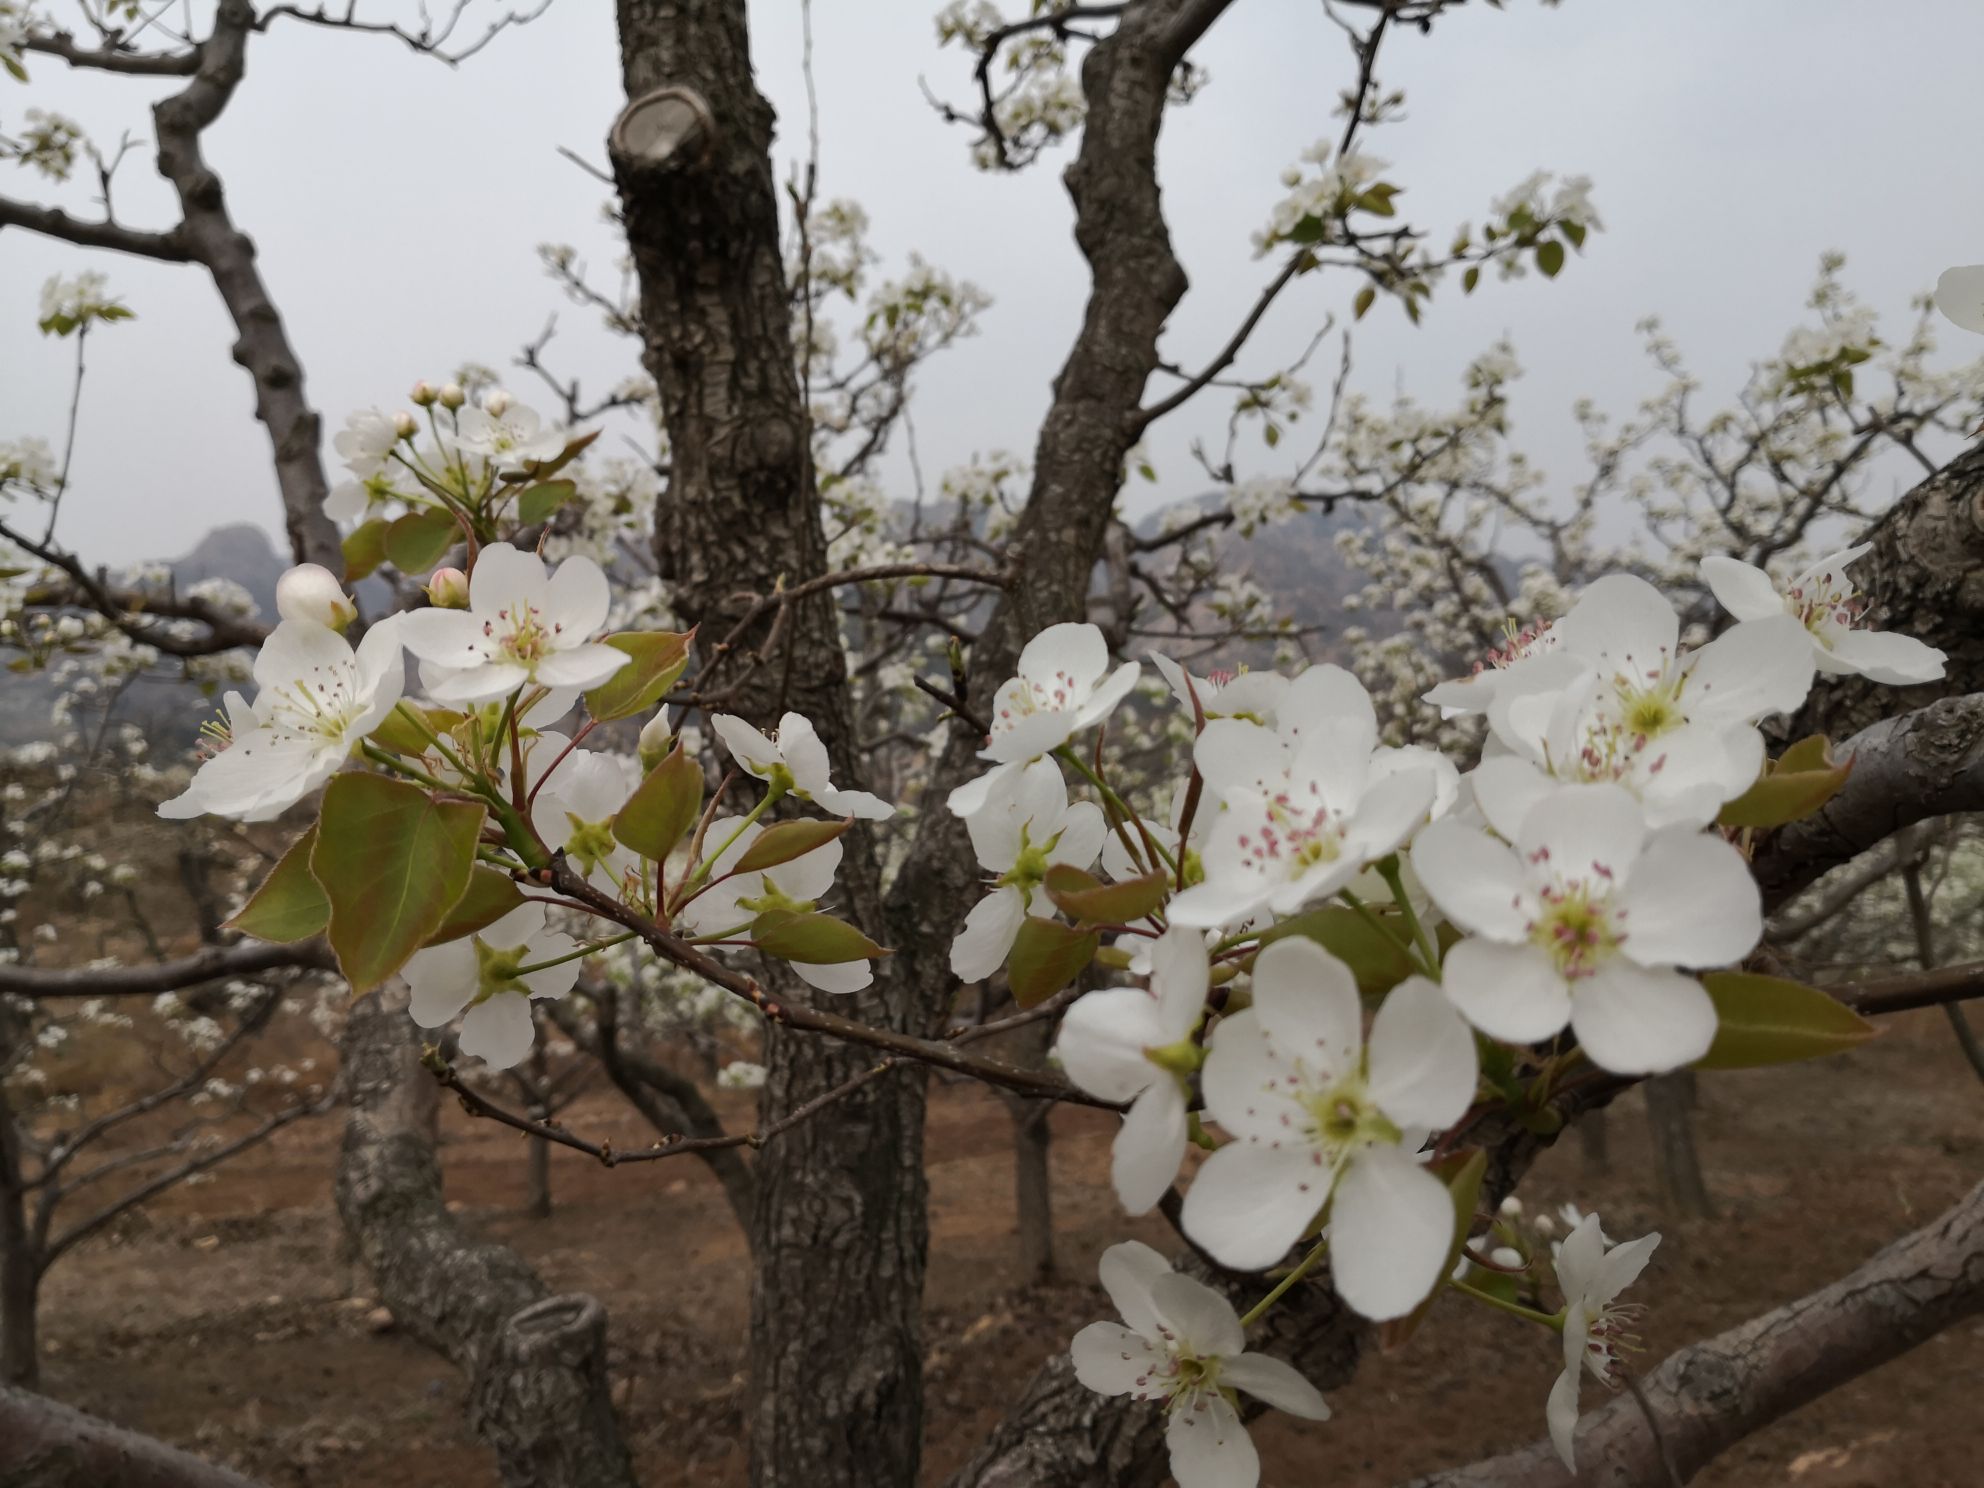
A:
(20, 1265)
(1033, 1176)
(1594, 1145)
(1670, 1120)
(537, 1173)
(45, 1444)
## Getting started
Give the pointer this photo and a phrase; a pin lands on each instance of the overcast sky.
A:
(397, 205)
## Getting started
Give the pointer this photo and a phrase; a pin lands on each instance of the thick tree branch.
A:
(53, 222)
(249, 958)
(110, 59)
(1710, 1396)
(45, 1444)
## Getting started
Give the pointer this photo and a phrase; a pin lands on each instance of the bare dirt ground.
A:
(227, 1319)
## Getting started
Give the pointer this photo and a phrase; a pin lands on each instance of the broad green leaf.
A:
(1471, 278)
(1769, 1020)
(1574, 231)
(659, 658)
(784, 841)
(1366, 297)
(1375, 958)
(393, 862)
(491, 894)
(1813, 752)
(816, 939)
(1462, 1173)
(663, 807)
(1792, 787)
(1550, 257)
(364, 549)
(1046, 956)
(1081, 896)
(419, 540)
(542, 499)
(402, 734)
(290, 905)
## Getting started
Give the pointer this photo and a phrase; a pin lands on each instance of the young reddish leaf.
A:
(1047, 955)
(364, 549)
(1769, 1020)
(1082, 896)
(1376, 959)
(421, 539)
(542, 499)
(1462, 1173)
(393, 862)
(660, 658)
(290, 905)
(784, 841)
(490, 895)
(816, 939)
(663, 807)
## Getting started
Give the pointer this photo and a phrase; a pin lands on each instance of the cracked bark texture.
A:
(45, 1444)
(535, 1363)
(839, 1227)
(1924, 577)
(1711, 1395)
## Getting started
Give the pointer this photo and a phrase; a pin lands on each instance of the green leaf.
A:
(1082, 896)
(1574, 232)
(491, 894)
(1375, 958)
(1471, 278)
(660, 657)
(816, 939)
(663, 807)
(1791, 788)
(1813, 752)
(1046, 956)
(1462, 1173)
(419, 540)
(402, 734)
(290, 905)
(541, 500)
(1769, 1020)
(574, 447)
(364, 549)
(784, 841)
(393, 862)
(1366, 297)
(1550, 257)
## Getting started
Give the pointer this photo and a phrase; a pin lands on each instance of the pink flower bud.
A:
(311, 594)
(447, 588)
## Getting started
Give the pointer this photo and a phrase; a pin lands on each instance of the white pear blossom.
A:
(1960, 296)
(1022, 832)
(797, 760)
(316, 700)
(575, 807)
(1129, 1044)
(1249, 695)
(365, 442)
(733, 900)
(1585, 920)
(1822, 599)
(521, 626)
(1183, 1346)
(1596, 1326)
(1064, 686)
(509, 435)
(1305, 809)
(484, 973)
(1473, 694)
(1319, 1118)
(311, 592)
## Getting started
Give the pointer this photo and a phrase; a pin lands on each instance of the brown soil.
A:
(227, 1319)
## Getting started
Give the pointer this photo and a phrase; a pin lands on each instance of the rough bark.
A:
(1710, 1396)
(1925, 577)
(839, 1229)
(20, 1263)
(536, 1364)
(45, 1444)
(1677, 1163)
(1033, 1174)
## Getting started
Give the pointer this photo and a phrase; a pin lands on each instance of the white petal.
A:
(1249, 1202)
(1623, 622)
(839, 977)
(1509, 992)
(1277, 1384)
(506, 579)
(1391, 1226)
(1306, 1001)
(1392, 809)
(1579, 1256)
(1112, 690)
(1018, 737)
(1505, 788)
(1079, 837)
(751, 749)
(1960, 296)
(1750, 670)
(1888, 657)
(1102, 1039)
(578, 598)
(1179, 975)
(1127, 1271)
(1477, 882)
(1111, 1359)
(442, 979)
(988, 934)
(861, 805)
(1210, 1448)
(1622, 1266)
(1636, 1021)
(1150, 1146)
(804, 754)
(580, 666)
(1745, 591)
(1067, 653)
(1422, 1062)
(499, 1031)
(1233, 755)
(975, 795)
(1583, 833)
(481, 683)
(1243, 1078)
(1198, 1315)
(1690, 902)
(1562, 1414)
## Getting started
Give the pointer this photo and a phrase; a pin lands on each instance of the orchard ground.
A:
(228, 1318)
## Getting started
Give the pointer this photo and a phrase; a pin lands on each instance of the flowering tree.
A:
(1369, 943)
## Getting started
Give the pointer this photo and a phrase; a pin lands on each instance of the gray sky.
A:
(397, 206)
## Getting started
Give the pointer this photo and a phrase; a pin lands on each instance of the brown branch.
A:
(53, 222)
(51, 1445)
(114, 59)
(1706, 1398)
(214, 962)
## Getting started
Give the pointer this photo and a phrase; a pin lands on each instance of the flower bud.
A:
(447, 588)
(452, 396)
(656, 740)
(424, 393)
(403, 424)
(497, 403)
(312, 594)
